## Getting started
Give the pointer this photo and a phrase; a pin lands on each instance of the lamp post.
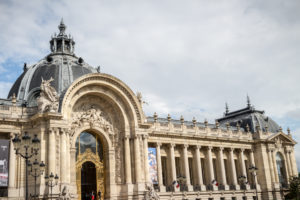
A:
(37, 169)
(242, 179)
(253, 171)
(22, 147)
(51, 181)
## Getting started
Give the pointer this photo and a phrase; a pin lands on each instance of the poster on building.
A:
(152, 164)
(4, 150)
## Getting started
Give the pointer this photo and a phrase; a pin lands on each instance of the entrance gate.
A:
(87, 164)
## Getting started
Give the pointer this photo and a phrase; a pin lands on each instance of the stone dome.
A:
(61, 64)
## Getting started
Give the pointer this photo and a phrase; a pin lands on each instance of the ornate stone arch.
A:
(111, 85)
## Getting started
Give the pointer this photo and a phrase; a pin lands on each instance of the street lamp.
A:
(243, 179)
(51, 181)
(37, 169)
(22, 147)
(253, 171)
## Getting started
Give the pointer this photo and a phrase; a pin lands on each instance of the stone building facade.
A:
(95, 137)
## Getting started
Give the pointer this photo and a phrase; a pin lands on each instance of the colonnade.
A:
(209, 172)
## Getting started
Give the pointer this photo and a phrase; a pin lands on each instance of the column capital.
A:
(221, 148)
(172, 145)
(158, 144)
(126, 137)
(231, 149)
(145, 137)
(197, 147)
(185, 146)
(137, 137)
(210, 147)
(242, 150)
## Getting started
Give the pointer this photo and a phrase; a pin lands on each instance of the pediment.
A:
(281, 138)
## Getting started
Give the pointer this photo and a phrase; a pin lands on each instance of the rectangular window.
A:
(164, 169)
(215, 168)
(203, 171)
(233, 198)
(226, 170)
(191, 170)
(178, 166)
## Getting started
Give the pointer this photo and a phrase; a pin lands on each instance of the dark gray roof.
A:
(63, 68)
(251, 117)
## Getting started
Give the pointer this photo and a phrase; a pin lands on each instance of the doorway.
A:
(88, 181)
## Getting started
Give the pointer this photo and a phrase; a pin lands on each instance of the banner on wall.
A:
(4, 154)
(152, 165)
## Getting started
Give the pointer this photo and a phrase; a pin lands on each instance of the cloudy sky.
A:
(186, 57)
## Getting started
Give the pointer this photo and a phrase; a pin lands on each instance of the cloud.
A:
(187, 58)
(4, 89)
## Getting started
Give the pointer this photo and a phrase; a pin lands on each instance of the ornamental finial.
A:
(62, 27)
(226, 108)
(248, 101)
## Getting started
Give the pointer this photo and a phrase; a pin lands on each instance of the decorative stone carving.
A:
(48, 99)
(93, 116)
(151, 193)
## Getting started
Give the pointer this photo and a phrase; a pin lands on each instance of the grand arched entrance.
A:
(89, 166)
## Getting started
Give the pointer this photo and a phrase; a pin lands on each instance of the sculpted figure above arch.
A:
(93, 115)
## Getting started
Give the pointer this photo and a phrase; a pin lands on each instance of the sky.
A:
(185, 57)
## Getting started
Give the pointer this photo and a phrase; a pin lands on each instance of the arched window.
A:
(281, 169)
(89, 141)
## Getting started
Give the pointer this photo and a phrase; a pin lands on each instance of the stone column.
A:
(271, 165)
(72, 169)
(173, 165)
(294, 163)
(63, 157)
(12, 163)
(252, 163)
(222, 169)
(243, 166)
(186, 168)
(276, 178)
(147, 177)
(287, 161)
(127, 160)
(68, 157)
(233, 170)
(137, 156)
(290, 162)
(162, 188)
(51, 152)
(210, 166)
(199, 168)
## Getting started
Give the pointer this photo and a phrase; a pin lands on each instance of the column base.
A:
(226, 187)
(214, 187)
(162, 188)
(176, 189)
(202, 188)
(13, 192)
(276, 185)
(235, 187)
(190, 188)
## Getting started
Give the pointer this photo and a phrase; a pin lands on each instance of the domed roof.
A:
(61, 64)
(250, 117)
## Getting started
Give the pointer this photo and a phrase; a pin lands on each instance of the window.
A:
(191, 170)
(88, 141)
(164, 169)
(281, 170)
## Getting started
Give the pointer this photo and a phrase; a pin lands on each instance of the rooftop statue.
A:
(48, 100)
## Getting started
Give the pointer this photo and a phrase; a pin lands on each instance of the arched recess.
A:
(281, 169)
(107, 161)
